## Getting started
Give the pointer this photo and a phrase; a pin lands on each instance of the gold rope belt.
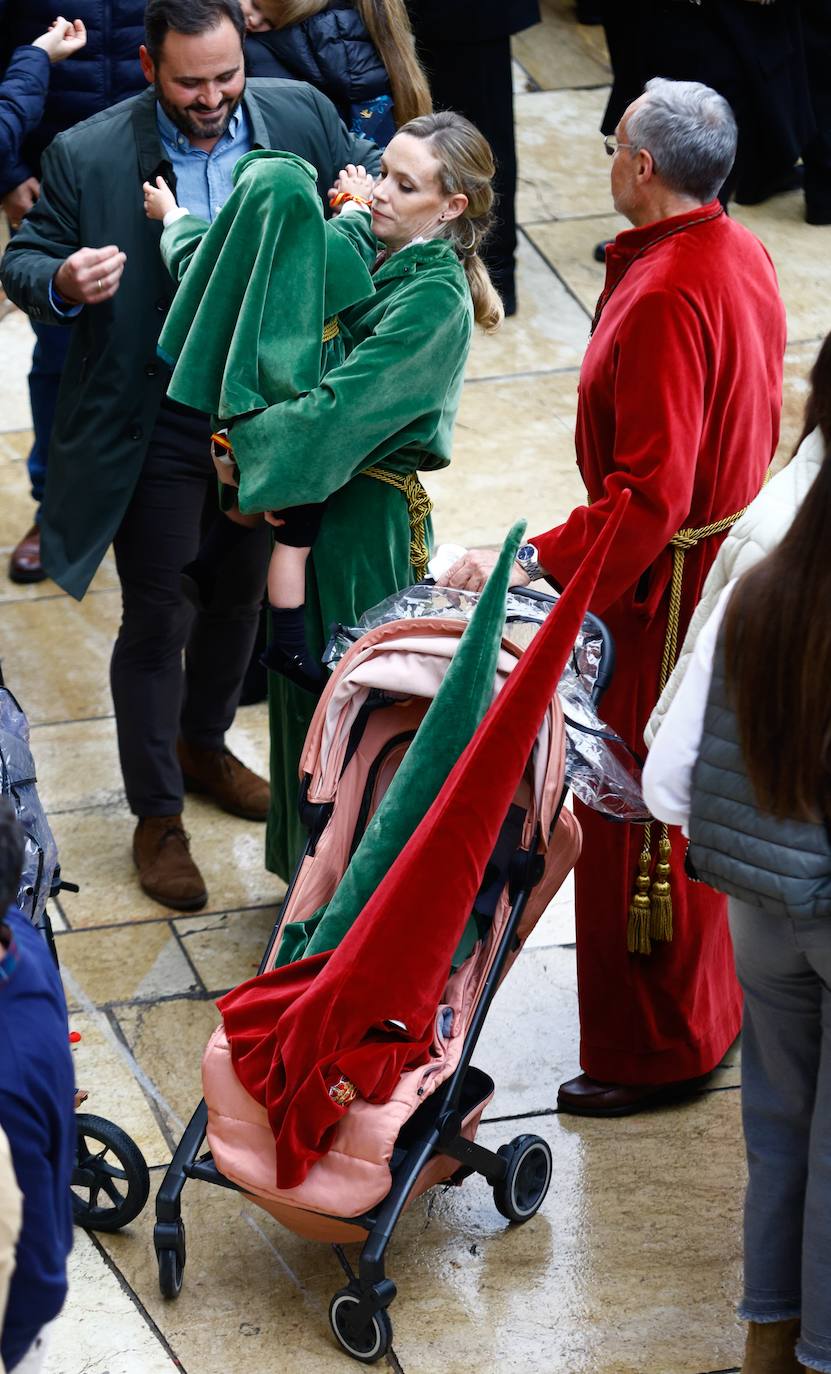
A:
(419, 507)
(650, 912)
(331, 329)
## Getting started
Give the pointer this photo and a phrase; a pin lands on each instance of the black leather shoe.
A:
(584, 1096)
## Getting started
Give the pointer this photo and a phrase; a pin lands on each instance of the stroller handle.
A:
(599, 630)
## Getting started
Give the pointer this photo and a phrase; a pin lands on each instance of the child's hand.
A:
(63, 38)
(158, 199)
(352, 181)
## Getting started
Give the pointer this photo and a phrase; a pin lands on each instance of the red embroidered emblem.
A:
(343, 1092)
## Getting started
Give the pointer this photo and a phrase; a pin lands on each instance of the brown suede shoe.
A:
(771, 1348)
(221, 776)
(167, 873)
(584, 1096)
(25, 564)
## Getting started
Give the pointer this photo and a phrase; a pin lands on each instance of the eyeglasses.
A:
(611, 143)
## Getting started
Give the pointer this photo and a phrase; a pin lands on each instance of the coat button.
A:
(136, 432)
(151, 370)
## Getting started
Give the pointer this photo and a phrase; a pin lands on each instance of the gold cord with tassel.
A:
(419, 507)
(650, 911)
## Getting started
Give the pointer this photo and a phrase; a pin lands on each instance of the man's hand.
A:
(19, 202)
(63, 38)
(90, 276)
(158, 199)
(472, 572)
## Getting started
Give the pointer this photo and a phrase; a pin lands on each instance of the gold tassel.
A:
(640, 910)
(660, 897)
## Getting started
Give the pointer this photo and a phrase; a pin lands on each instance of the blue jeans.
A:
(48, 357)
(784, 967)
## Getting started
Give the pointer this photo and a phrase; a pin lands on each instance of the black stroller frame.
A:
(518, 1172)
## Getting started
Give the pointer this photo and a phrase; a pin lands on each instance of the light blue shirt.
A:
(203, 180)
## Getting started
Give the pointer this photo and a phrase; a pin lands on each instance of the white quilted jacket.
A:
(759, 530)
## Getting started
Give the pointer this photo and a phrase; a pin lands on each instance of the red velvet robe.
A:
(680, 397)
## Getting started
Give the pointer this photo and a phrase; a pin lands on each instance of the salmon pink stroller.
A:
(384, 1156)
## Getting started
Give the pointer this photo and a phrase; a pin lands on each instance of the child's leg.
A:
(287, 652)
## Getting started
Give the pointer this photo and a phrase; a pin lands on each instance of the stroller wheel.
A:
(169, 1244)
(110, 1182)
(366, 1343)
(521, 1192)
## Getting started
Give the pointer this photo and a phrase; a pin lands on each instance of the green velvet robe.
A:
(392, 402)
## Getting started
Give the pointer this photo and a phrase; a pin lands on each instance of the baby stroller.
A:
(383, 1157)
(110, 1182)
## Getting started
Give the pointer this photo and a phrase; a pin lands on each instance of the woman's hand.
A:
(472, 572)
(158, 199)
(352, 181)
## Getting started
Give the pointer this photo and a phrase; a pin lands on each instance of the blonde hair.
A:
(388, 26)
(466, 166)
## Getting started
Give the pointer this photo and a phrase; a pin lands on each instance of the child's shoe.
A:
(288, 653)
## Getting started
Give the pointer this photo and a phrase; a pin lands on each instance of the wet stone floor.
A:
(633, 1264)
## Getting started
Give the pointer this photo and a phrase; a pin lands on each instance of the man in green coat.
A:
(127, 466)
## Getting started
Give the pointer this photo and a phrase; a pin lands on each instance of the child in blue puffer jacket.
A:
(26, 83)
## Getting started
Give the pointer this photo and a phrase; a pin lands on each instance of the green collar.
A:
(408, 260)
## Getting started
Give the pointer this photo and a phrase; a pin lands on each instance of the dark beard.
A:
(183, 121)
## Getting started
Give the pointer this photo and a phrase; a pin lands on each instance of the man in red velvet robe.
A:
(680, 396)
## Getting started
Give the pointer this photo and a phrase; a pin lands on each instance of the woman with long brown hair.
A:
(743, 762)
(360, 53)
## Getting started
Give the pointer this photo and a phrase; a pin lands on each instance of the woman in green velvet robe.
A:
(384, 412)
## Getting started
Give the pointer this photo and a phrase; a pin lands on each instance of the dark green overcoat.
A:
(113, 382)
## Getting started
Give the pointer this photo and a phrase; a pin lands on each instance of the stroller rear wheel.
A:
(366, 1342)
(110, 1182)
(522, 1191)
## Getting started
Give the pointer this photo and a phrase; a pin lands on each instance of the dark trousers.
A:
(475, 80)
(156, 694)
(48, 357)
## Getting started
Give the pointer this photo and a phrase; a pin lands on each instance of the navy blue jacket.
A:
(37, 1088)
(332, 51)
(22, 96)
(105, 71)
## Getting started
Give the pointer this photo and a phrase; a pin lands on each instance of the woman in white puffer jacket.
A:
(763, 524)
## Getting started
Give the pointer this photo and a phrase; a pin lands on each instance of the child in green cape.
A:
(274, 272)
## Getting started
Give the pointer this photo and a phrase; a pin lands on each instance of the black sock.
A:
(287, 651)
(222, 538)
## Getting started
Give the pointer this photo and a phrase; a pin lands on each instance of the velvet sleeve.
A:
(660, 366)
(390, 392)
(180, 241)
(356, 226)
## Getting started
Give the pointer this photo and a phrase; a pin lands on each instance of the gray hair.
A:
(691, 133)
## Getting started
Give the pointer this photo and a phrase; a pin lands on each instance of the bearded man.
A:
(680, 398)
(127, 466)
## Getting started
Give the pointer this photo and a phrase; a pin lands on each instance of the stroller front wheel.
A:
(522, 1191)
(367, 1342)
(110, 1181)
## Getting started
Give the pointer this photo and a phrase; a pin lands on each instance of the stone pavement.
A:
(633, 1264)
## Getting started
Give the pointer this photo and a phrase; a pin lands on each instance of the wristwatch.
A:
(528, 559)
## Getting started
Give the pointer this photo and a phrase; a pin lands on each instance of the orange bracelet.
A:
(347, 195)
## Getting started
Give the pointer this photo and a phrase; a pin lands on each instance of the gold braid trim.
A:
(419, 507)
(331, 329)
(650, 912)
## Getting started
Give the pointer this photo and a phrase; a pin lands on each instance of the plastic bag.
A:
(41, 871)
(600, 768)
